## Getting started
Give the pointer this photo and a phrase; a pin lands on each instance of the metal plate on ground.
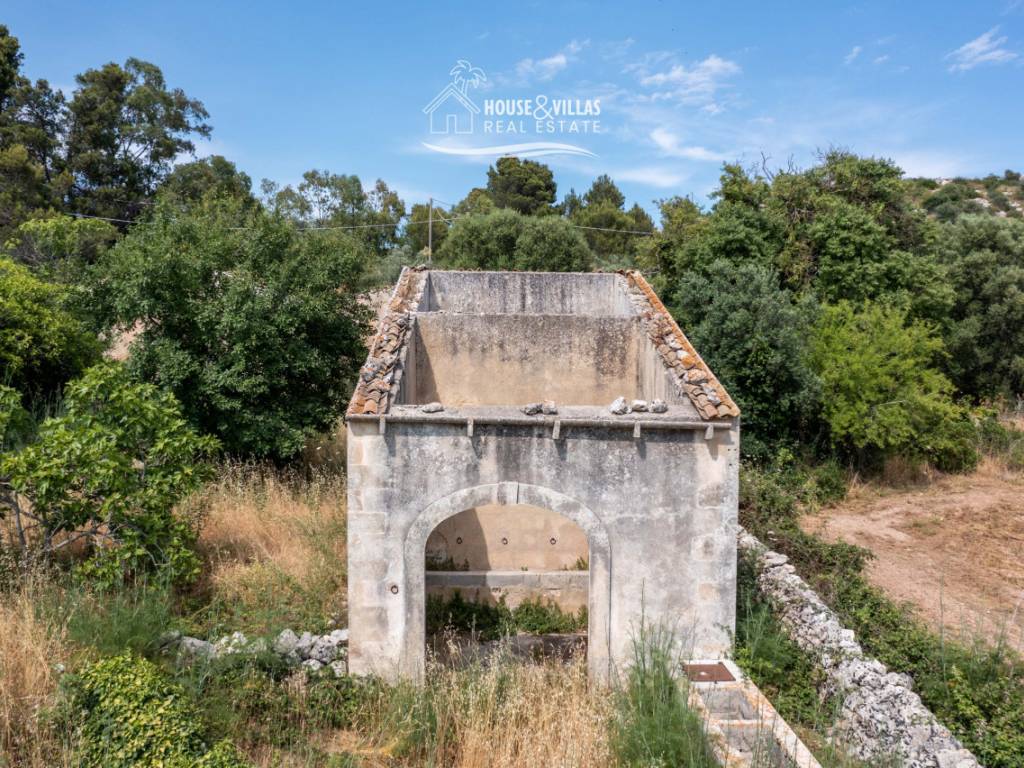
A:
(708, 673)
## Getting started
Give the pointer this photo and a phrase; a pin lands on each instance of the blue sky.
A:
(681, 86)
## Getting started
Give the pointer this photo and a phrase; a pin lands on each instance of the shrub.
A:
(42, 345)
(881, 393)
(109, 471)
(755, 338)
(130, 715)
(258, 700)
(986, 332)
(254, 325)
(506, 240)
(493, 621)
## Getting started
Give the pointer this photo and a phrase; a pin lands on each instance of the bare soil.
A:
(951, 547)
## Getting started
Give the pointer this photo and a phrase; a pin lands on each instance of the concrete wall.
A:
(538, 293)
(508, 538)
(659, 514)
(518, 359)
(566, 589)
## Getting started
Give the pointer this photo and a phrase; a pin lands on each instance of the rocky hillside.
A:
(945, 199)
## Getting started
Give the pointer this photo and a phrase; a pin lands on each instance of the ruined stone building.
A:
(484, 455)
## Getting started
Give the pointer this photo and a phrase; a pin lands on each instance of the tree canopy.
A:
(525, 186)
(507, 240)
(251, 322)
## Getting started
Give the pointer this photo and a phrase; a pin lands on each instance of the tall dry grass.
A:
(274, 545)
(30, 649)
(506, 714)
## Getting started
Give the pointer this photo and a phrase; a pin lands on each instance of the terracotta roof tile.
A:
(691, 372)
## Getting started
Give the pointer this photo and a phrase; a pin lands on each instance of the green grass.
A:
(125, 618)
(258, 702)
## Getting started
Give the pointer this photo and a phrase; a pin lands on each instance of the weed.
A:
(653, 725)
(490, 622)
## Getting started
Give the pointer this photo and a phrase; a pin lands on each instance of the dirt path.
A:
(954, 548)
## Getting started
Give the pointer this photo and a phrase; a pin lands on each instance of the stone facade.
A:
(437, 426)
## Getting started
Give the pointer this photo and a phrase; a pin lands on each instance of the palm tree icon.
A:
(465, 75)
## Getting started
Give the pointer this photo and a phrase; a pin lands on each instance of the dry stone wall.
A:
(881, 716)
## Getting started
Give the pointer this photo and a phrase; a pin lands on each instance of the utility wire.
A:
(388, 225)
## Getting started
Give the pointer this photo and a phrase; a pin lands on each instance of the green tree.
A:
(844, 229)
(482, 242)
(42, 345)
(477, 202)
(324, 199)
(756, 338)
(109, 470)
(23, 190)
(610, 230)
(604, 192)
(126, 129)
(882, 392)
(61, 245)
(31, 121)
(254, 324)
(525, 186)
(659, 254)
(11, 58)
(985, 255)
(506, 240)
(551, 244)
(214, 176)
(416, 228)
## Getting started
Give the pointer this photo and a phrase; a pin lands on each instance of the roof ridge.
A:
(692, 375)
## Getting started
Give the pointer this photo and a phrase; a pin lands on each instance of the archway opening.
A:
(509, 578)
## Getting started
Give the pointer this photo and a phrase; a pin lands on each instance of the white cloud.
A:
(984, 49)
(669, 144)
(691, 84)
(853, 54)
(652, 176)
(880, 59)
(544, 69)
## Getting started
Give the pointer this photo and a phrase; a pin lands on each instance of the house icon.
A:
(451, 111)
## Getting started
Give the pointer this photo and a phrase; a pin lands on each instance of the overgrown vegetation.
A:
(132, 716)
(107, 473)
(653, 722)
(491, 621)
(860, 319)
(977, 690)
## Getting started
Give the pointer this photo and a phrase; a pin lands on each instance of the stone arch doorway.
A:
(509, 493)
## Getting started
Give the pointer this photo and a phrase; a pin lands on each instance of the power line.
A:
(612, 229)
(387, 225)
(101, 218)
